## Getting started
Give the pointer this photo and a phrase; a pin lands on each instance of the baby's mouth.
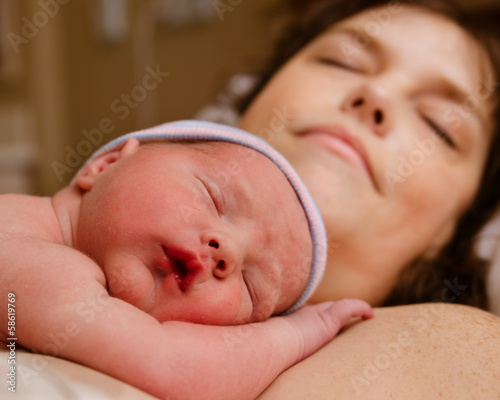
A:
(180, 272)
(177, 268)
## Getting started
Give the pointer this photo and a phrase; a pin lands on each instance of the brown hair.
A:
(456, 273)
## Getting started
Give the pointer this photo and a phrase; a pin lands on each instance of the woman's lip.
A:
(339, 141)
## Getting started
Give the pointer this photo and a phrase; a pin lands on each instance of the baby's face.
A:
(209, 232)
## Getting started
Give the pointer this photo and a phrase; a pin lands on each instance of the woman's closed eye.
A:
(331, 61)
(440, 133)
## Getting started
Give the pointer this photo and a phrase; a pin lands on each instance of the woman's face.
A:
(386, 117)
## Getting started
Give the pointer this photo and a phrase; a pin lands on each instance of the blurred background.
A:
(75, 74)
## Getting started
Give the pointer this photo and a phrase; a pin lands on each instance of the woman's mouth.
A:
(338, 141)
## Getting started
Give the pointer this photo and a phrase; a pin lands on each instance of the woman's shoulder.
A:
(410, 352)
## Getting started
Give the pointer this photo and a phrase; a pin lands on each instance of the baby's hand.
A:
(317, 325)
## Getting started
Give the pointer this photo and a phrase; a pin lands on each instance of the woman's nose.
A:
(372, 107)
(224, 254)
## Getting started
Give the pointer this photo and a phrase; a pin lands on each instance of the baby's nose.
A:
(224, 254)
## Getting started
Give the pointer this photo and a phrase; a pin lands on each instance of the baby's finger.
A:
(318, 324)
(351, 308)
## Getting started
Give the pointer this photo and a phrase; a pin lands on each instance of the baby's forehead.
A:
(239, 155)
(257, 178)
(196, 144)
(254, 168)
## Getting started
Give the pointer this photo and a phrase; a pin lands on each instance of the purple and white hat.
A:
(198, 130)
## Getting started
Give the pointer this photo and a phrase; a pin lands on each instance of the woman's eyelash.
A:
(335, 63)
(440, 133)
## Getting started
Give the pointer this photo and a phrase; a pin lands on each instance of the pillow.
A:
(489, 248)
(45, 377)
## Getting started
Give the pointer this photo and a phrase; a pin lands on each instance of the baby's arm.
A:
(63, 309)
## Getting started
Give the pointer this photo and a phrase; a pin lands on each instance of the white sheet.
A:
(44, 377)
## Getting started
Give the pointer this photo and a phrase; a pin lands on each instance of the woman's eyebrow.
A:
(450, 90)
(361, 40)
(353, 41)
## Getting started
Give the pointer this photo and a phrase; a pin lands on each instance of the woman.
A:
(389, 112)
(392, 93)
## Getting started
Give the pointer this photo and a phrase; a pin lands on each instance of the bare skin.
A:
(462, 362)
(424, 351)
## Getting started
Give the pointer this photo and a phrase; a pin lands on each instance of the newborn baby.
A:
(166, 241)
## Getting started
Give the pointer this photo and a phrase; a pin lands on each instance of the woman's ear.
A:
(88, 175)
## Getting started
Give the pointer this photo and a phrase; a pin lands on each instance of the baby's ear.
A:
(88, 175)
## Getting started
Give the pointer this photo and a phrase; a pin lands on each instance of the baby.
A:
(166, 241)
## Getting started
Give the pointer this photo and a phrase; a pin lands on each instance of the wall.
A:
(69, 80)
(64, 85)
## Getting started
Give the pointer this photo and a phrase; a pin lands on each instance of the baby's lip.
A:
(182, 265)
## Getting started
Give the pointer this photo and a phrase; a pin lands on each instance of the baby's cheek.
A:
(264, 310)
(224, 308)
(258, 238)
(131, 286)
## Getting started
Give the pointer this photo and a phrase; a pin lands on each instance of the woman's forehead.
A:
(409, 32)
